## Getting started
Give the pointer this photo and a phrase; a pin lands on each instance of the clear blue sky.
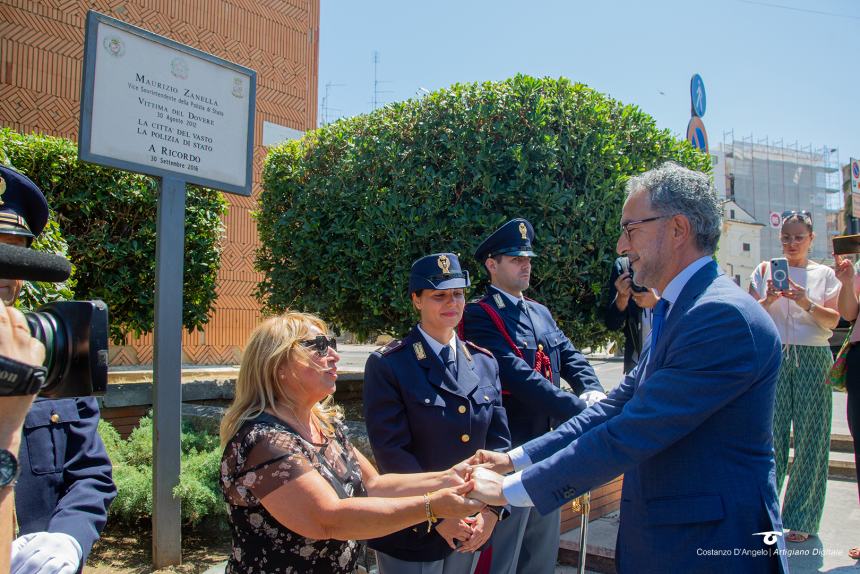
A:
(785, 69)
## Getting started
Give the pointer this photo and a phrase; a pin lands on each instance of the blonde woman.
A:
(805, 315)
(299, 494)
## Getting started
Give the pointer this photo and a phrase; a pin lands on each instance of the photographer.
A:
(17, 350)
(65, 485)
(629, 307)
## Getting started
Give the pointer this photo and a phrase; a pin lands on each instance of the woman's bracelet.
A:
(431, 518)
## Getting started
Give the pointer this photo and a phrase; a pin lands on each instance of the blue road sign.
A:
(697, 95)
(696, 134)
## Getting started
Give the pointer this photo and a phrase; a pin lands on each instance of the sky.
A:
(773, 69)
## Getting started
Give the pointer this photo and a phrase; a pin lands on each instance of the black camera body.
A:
(75, 335)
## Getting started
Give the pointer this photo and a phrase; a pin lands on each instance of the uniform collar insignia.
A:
(419, 350)
(500, 303)
(466, 352)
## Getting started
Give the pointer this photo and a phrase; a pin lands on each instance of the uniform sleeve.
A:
(498, 435)
(81, 511)
(386, 418)
(576, 369)
(517, 377)
(612, 317)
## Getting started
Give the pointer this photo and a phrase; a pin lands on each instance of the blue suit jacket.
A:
(65, 483)
(533, 403)
(692, 431)
(420, 419)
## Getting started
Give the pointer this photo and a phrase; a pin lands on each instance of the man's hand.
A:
(497, 461)
(488, 487)
(482, 528)
(645, 299)
(452, 529)
(45, 553)
(624, 287)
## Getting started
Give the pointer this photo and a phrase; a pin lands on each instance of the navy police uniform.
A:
(527, 542)
(421, 417)
(65, 485)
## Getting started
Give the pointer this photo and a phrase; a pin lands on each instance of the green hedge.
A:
(346, 210)
(108, 218)
(198, 488)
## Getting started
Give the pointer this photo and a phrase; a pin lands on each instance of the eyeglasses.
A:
(625, 227)
(802, 213)
(788, 239)
(321, 344)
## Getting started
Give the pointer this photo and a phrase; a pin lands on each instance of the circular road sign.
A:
(697, 95)
(696, 134)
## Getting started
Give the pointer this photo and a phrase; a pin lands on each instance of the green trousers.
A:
(805, 401)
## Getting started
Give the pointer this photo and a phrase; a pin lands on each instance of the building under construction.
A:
(761, 178)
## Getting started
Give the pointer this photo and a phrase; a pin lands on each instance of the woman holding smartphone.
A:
(805, 314)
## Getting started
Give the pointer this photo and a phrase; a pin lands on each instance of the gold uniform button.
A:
(464, 438)
(55, 418)
(461, 409)
(486, 398)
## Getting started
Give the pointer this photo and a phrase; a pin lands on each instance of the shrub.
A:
(197, 490)
(346, 210)
(108, 218)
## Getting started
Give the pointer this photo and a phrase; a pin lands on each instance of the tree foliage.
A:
(347, 209)
(107, 219)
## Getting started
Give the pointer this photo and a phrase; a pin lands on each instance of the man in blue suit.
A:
(691, 426)
(65, 486)
(534, 355)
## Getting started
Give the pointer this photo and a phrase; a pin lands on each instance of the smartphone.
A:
(636, 288)
(846, 244)
(779, 273)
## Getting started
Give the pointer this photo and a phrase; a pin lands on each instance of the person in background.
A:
(534, 354)
(299, 495)
(848, 308)
(805, 315)
(629, 308)
(430, 400)
(65, 486)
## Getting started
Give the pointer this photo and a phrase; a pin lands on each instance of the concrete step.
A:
(841, 465)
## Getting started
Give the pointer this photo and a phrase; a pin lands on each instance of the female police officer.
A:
(431, 400)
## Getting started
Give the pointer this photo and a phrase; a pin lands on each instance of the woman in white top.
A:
(805, 315)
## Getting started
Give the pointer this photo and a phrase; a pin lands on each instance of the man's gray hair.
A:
(674, 189)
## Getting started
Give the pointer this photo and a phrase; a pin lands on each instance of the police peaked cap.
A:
(514, 238)
(23, 209)
(438, 271)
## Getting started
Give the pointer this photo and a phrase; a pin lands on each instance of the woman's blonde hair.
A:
(275, 342)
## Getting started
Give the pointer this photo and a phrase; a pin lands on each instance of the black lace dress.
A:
(261, 457)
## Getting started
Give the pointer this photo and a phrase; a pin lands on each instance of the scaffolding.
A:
(764, 177)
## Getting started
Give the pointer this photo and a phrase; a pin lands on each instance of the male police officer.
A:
(533, 355)
(65, 486)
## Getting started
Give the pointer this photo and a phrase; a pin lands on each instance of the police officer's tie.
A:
(450, 363)
(657, 320)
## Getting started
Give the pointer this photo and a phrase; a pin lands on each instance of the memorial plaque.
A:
(155, 106)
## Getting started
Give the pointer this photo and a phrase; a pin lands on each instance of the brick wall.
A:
(41, 53)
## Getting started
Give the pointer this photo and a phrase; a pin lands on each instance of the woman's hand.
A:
(844, 269)
(452, 529)
(771, 294)
(452, 502)
(798, 295)
(485, 521)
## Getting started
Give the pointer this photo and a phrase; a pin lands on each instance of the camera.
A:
(75, 335)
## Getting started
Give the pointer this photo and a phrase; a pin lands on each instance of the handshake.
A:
(478, 479)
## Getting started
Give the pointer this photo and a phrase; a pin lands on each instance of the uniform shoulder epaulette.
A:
(392, 346)
(479, 349)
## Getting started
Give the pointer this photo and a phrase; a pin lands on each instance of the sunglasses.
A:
(802, 213)
(320, 344)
